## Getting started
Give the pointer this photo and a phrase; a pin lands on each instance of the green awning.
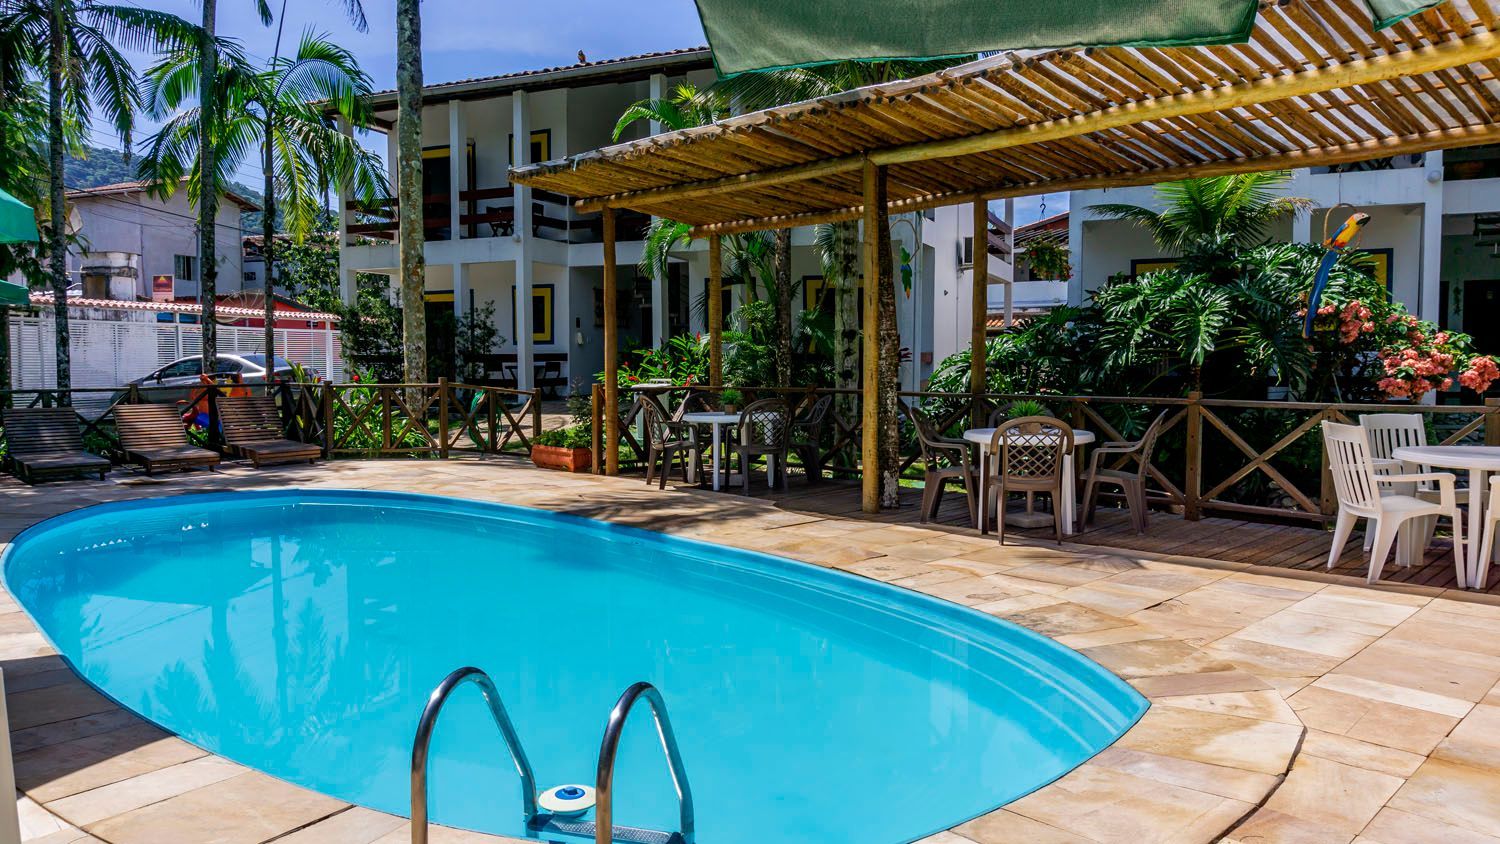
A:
(14, 294)
(17, 220)
(747, 35)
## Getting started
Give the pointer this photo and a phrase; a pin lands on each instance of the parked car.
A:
(184, 373)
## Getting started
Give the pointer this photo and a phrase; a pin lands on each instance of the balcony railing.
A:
(490, 212)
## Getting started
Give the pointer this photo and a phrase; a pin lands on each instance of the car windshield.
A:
(260, 361)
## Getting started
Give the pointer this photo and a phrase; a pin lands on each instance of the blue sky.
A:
(465, 38)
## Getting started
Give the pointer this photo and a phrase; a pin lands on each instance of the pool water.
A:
(299, 632)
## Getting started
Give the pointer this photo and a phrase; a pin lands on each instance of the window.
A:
(184, 267)
(226, 366)
(186, 368)
(249, 275)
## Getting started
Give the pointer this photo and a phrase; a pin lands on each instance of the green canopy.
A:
(17, 220)
(748, 35)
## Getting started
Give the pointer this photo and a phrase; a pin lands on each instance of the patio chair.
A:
(1388, 432)
(252, 427)
(153, 436)
(807, 436)
(1487, 544)
(1026, 455)
(1360, 497)
(667, 439)
(44, 442)
(764, 431)
(1131, 481)
(938, 450)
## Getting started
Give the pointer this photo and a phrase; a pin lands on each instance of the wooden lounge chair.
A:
(44, 442)
(153, 436)
(252, 428)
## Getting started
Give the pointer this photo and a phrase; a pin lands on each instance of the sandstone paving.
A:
(1285, 708)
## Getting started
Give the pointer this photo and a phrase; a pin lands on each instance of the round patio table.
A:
(1479, 461)
(983, 436)
(718, 420)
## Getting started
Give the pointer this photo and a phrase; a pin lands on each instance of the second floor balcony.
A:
(487, 213)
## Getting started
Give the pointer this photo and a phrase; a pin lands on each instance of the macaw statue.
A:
(1335, 245)
(906, 271)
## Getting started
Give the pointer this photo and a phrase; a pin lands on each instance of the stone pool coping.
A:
(1283, 708)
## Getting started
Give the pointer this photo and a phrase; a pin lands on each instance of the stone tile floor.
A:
(1284, 709)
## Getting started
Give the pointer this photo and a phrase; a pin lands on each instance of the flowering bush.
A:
(1413, 357)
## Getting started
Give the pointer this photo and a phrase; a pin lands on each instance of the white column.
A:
(660, 324)
(1009, 215)
(346, 276)
(458, 165)
(1430, 287)
(460, 289)
(521, 128)
(1077, 255)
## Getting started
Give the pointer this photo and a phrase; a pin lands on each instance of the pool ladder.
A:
(602, 829)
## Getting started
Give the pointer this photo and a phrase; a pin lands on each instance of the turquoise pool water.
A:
(299, 632)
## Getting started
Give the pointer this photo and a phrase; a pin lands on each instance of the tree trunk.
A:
(409, 188)
(846, 314)
(208, 187)
(268, 254)
(783, 257)
(890, 369)
(58, 247)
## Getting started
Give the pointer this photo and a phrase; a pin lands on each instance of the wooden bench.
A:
(153, 436)
(252, 428)
(44, 442)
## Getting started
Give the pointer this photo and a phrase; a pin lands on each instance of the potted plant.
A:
(731, 399)
(567, 448)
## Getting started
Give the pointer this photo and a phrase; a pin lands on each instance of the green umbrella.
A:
(17, 225)
(768, 34)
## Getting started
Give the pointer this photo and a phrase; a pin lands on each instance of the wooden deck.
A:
(1212, 538)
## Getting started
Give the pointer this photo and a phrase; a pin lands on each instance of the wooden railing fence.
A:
(373, 420)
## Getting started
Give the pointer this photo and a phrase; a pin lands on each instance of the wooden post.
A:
(611, 351)
(1492, 422)
(979, 306)
(869, 469)
(715, 312)
(326, 410)
(443, 418)
(1192, 487)
(596, 426)
(536, 413)
(492, 417)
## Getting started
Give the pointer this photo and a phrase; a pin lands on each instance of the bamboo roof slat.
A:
(1314, 85)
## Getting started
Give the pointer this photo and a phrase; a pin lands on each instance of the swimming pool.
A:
(300, 631)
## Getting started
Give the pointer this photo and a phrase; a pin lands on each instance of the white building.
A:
(1435, 227)
(131, 239)
(486, 240)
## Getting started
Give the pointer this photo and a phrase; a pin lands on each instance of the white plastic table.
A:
(718, 420)
(983, 436)
(1479, 460)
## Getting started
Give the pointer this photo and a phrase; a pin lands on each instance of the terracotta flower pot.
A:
(558, 457)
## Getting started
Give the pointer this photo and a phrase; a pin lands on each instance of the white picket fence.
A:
(110, 353)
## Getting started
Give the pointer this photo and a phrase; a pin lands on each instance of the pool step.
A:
(624, 834)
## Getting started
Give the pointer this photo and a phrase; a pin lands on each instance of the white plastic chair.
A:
(1487, 544)
(1359, 493)
(1388, 432)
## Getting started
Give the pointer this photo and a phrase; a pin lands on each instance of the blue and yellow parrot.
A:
(1335, 245)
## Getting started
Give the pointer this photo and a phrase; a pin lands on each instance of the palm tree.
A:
(1208, 221)
(279, 109)
(209, 143)
(85, 71)
(684, 108)
(409, 188)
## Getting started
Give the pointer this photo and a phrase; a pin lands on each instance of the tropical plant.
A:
(86, 73)
(1049, 259)
(278, 109)
(475, 336)
(681, 360)
(684, 108)
(1208, 221)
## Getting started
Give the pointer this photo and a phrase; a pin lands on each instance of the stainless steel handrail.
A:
(423, 739)
(604, 785)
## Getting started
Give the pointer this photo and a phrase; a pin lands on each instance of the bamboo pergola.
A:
(1313, 86)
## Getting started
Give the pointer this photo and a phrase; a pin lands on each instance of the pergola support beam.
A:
(979, 305)
(715, 311)
(611, 350)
